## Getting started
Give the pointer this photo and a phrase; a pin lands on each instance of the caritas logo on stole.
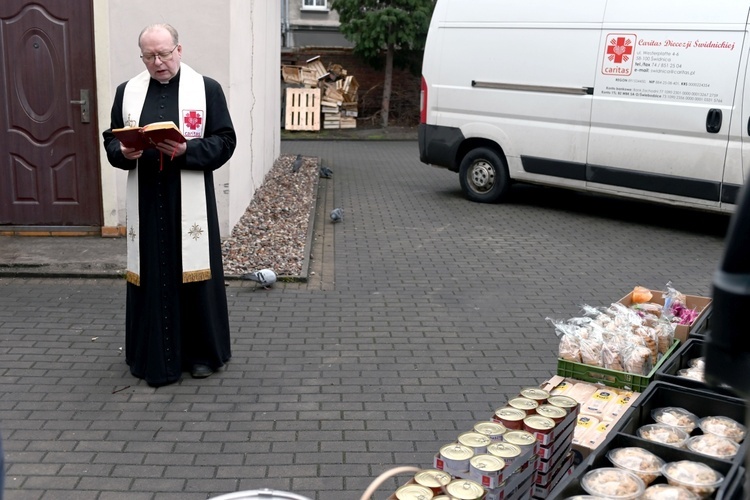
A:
(193, 123)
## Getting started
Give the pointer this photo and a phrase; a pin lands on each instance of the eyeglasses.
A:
(164, 56)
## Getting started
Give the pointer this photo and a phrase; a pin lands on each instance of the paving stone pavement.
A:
(428, 312)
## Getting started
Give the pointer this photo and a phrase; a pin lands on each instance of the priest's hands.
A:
(168, 147)
(172, 148)
(131, 153)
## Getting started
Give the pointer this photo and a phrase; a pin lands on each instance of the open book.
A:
(148, 136)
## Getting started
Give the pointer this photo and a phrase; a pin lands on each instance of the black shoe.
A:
(201, 371)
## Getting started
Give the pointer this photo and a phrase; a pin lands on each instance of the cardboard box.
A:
(545, 483)
(564, 439)
(514, 486)
(545, 478)
(700, 304)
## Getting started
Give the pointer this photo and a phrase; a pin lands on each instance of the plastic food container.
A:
(640, 462)
(665, 434)
(724, 427)
(692, 373)
(265, 494)
(694, 476)
(667, 491)
(713, 446)
(611, 482)
(676, 417)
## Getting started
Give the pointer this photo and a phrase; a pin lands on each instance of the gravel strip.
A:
(273, 230)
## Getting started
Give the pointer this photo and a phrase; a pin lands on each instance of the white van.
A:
(646, 99)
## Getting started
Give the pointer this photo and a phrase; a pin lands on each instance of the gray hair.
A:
(168, 27)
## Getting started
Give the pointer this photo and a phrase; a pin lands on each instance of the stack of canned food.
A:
(516, 454)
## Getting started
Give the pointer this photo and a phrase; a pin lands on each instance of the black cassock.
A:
(170, 325)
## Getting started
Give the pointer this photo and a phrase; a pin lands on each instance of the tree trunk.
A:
(386, 104)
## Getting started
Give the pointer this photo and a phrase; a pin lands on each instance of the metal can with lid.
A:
(511, 418)
(523, 439)
(493, 430)
(538, 423)
(476, 441)
(536, 394)
(414, 492)
(524, 404)
(486, 465)
(433, 479)
(556, 413)
(566, 402)
(456, 456)
(465, 489)
(508, 452)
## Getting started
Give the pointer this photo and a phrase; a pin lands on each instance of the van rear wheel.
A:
(484, 176)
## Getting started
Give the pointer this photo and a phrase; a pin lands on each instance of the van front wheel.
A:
(484, 176)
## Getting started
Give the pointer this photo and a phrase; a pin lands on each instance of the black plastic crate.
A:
(701, 403)
(729, 489)
(702, 324)
(658, 395)
(668, 371)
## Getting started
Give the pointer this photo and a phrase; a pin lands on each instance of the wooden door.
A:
(49, 161)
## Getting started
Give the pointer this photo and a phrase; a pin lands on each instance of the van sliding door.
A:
(520, 75)
(663, 99)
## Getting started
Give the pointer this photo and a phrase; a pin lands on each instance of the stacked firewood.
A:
(338, 90)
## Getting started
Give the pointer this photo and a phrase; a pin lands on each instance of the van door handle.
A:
(713, 121)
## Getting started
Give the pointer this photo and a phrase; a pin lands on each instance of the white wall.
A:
(235, 42)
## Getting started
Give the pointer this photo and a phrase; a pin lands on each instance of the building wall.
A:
(306, 27)
(233, 41)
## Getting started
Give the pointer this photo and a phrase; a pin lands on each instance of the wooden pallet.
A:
(302, 109)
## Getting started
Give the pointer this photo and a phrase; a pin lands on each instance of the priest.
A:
(177, 318)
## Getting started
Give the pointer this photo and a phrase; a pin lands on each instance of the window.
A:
(314, 5)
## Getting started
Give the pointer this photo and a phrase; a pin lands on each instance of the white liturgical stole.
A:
(195, 249)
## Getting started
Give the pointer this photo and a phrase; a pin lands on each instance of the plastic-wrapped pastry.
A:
(713, 446)
(611, 353)
(663, 433)
(591, 351)
(650, 340)
(676, 417)
(639, 461)
(664, 336)
(611, 482)
(651, 308)
(724, 427)
(694, 476)
(570, 348)
(637, 359)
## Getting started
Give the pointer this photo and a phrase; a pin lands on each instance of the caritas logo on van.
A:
(619, 54)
